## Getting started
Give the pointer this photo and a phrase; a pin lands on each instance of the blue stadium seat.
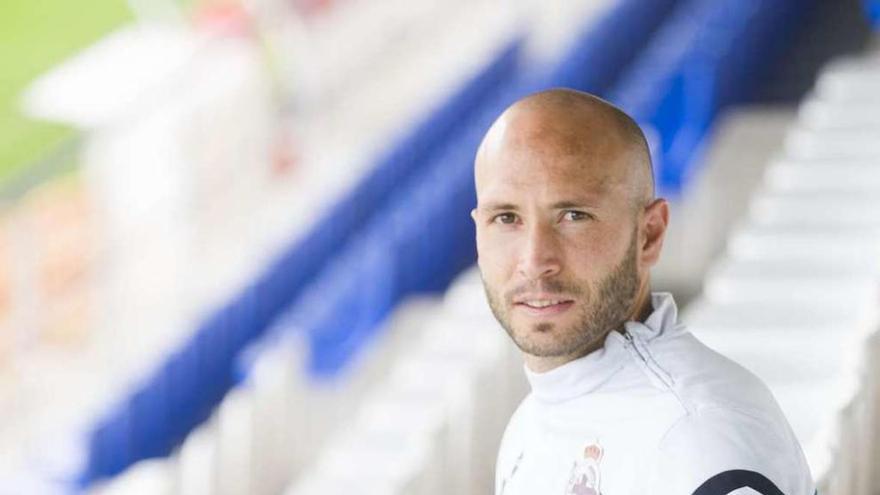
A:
(605, 49)
(709, 55)
(872, 7)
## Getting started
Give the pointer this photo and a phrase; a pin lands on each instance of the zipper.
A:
(647, 362)
(512, 472)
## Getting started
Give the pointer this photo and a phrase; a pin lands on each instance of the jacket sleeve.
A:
(719, 451)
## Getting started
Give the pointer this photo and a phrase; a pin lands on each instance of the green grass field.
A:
(34, 36)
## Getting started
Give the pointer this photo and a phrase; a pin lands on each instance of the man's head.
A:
(567, 224)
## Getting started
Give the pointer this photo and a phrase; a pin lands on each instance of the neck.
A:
(642, 307)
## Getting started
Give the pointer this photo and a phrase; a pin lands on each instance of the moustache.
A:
(544, 287)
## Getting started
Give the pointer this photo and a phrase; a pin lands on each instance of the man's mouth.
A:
(543, 306)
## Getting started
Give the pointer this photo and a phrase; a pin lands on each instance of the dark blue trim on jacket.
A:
(728, 481)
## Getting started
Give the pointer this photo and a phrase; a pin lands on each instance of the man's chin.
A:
(528, 325)
(542, 340)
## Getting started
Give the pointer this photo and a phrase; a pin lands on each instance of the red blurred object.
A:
(313, 7)
(284, 155)
(224, 19)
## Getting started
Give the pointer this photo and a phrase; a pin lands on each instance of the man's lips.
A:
(543, 305)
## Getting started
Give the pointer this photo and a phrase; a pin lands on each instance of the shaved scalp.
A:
(572, 123)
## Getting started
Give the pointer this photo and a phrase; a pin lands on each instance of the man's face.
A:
(558, 240)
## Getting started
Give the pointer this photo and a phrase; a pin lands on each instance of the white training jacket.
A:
(654, 412)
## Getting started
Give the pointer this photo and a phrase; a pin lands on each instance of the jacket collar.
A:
(586, 374)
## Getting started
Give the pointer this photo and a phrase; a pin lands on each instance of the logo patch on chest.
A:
(585, 477)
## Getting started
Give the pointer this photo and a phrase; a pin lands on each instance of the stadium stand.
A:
(300, 372)
(459, 58)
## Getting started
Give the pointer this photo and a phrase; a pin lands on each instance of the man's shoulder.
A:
(733, 431)
(718, 445)
(704, 378)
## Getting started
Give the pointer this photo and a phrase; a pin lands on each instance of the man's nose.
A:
(540, 256)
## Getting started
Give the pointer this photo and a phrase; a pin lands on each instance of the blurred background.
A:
(236, 256)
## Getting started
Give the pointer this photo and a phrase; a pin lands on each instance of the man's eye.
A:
(505, 218)
(574, 215)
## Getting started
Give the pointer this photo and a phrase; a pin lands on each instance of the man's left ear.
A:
(654, 222)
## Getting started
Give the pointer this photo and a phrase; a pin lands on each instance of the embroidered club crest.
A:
(585, 475)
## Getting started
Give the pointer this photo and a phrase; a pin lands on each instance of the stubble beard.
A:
(602, 311)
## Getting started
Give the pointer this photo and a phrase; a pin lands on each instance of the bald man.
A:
(624, 400)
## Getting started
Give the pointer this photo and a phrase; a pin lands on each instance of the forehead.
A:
(548, 165)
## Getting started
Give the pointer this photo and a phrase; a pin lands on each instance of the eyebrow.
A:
(559, 205)
(563, 205)
(499, 207)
